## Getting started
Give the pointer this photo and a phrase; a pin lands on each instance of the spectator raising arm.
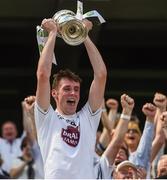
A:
(160, 101)
(127, 104)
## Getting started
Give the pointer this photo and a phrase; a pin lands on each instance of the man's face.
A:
(121, 156)
(67, 96)
(132, 138)
(126, 172)
(162, 167)
(9, 131)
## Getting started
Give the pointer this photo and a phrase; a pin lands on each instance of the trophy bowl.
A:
(72, 30)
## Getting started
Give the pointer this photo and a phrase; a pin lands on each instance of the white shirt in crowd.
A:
(9, 151)
(103, 169)
(23, 175)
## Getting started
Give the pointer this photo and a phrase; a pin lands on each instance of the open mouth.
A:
(118, 161)
(9, 134)
(71, 102)
(131, 138)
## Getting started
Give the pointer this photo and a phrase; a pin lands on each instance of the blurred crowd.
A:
(20, 157)
(130, 152)
(139, 154)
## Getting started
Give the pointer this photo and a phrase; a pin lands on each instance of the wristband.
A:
(125, 117)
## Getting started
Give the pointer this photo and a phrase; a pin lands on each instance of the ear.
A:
(54, 93)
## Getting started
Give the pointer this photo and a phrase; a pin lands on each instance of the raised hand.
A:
(28, 103)
(160, 100)
(149, 110)
(88, 24)
(127, 104)
(112, 104)
(49, 25)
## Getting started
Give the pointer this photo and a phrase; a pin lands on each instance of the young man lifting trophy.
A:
(65, 135)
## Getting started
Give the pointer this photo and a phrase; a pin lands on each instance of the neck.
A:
(64, 114)
(10, 141)
(132, 149)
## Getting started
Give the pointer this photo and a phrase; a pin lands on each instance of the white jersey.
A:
(67, 143)
(103, 169)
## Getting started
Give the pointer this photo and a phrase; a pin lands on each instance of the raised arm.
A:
(113, 147)
(160, 101)
(109, 119)
(28, 117)
(96, 93)
(105, 135)
(164, 123)
(45, 65)
(142, 155)
(112, 104)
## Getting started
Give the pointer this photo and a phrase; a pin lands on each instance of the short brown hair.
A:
(64, 74)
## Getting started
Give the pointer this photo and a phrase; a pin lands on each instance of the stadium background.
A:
(133, 43)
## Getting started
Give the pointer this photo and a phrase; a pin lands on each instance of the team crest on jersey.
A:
(71, 135)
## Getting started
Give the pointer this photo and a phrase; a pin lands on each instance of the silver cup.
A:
(72, 30)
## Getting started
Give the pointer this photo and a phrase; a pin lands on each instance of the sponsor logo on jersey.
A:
(71, 135)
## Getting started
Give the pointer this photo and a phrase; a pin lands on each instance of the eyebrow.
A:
(71, 85)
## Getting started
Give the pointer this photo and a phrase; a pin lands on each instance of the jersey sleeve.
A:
(93, 117)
